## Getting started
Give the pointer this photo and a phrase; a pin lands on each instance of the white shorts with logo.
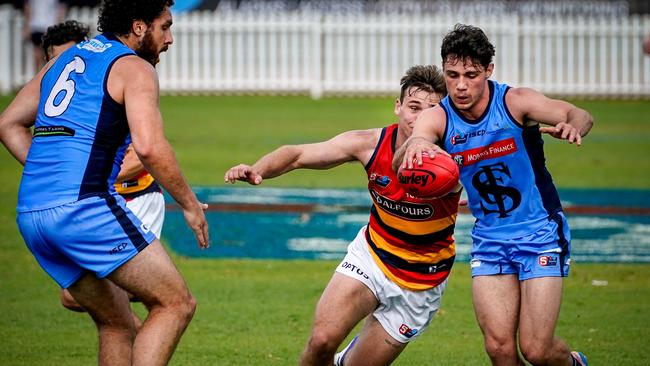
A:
(150, 209)
(403, 313)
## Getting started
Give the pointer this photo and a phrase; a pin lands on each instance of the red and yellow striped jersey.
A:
(138, 185)
(411, 239)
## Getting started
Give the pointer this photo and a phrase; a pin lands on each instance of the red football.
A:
(436, 176)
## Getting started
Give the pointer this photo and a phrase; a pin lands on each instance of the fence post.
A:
(316, 88)
(5, 56)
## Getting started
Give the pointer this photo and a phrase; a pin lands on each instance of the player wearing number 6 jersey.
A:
(521, 242)
(141, 192)
(85, 104)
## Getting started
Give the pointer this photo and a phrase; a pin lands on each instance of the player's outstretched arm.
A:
(134, 82)
(565, 121)
(348, 146)
(427, 131)
(19, 117)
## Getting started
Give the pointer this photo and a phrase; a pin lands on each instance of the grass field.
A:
(259, 312)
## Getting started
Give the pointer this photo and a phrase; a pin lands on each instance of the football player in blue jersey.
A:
(143, 196)
(521, 240)
(84, 105)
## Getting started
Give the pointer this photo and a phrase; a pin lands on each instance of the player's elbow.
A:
(292, 155)
(4, 126)
(145, 152)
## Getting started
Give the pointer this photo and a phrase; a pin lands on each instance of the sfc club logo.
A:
(406, 331)
(547, 261)
(495, 197)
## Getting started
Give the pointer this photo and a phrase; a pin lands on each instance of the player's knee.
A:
(70, 303)
(535, 353)
(322, 343)
(190, 307)
(115, 323)
(183, 306)
(499, 348)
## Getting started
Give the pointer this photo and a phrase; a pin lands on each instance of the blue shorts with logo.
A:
(544, 253)
(96, 234)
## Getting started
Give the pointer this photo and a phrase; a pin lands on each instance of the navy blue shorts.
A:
(96, 234)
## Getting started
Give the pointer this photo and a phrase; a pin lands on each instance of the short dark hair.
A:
(68, 31)
(427, 78)
(467, 43)
(117, 16)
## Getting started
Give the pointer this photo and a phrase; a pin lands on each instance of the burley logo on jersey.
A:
(497, 149)
(413, 178)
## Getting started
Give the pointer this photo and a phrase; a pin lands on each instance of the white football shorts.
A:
(150, 209)
(403, 313)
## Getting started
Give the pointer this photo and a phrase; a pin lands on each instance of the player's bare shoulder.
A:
(130, 71)
(362, 143)
(433, 119)
(520, 101)
(518, 96)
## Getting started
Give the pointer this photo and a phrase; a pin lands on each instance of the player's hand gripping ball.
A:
(436, 176)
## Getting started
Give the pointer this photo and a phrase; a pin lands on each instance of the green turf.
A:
(259, 312)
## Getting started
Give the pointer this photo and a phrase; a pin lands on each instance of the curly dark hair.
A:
(427, 78)
(117, 16)
(467, 43)
(58, 34)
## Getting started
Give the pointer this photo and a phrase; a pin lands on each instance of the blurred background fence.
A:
(320, 53)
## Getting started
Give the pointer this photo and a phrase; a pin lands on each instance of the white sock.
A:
(340, 357)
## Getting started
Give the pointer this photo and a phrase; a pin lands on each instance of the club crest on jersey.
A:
(404, 209)
(381, 180)
(459, 159)
(547, 261)
(406, 331)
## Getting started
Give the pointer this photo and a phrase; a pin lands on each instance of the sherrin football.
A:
(436, 176)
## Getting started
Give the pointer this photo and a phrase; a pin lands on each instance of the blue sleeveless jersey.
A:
(80, 132)
(502, 167)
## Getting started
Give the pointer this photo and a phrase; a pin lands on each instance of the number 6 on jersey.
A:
(64, 85)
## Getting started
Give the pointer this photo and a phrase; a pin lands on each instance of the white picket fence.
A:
(367, 54)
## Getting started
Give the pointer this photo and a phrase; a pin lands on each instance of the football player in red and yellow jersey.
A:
(396, 269)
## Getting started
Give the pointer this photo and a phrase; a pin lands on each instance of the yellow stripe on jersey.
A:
(415, 227)
(413, 286)
(133, 186)
(413, 257)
